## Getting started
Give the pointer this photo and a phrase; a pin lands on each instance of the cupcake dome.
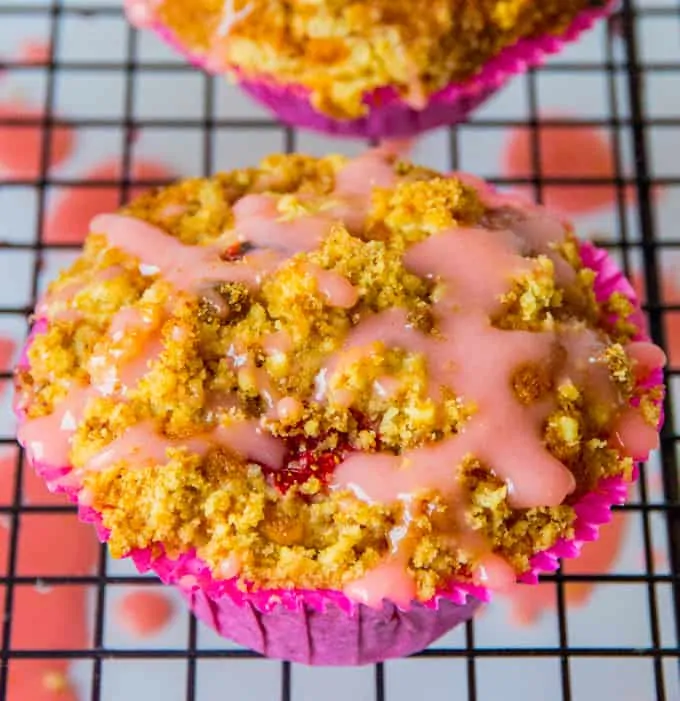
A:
(325, 385)
(378, 68)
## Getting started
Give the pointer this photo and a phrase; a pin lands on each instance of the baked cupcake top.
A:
(342, 50)
(357, 375)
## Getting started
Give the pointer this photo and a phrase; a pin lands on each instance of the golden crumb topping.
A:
(306, 369)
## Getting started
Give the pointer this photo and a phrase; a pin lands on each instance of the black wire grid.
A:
(637, 237)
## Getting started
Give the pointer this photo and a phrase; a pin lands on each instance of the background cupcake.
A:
(337, 403)
(374, 69)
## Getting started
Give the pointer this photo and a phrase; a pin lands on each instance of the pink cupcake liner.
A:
(389, 116)
(324, 626)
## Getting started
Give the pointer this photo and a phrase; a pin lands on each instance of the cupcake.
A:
(339, 402)
(384, 68)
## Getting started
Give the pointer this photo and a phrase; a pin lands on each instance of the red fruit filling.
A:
(236, 250)
(318, 457)
(309, 458)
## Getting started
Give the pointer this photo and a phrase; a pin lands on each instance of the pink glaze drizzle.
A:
(336, 288)
(389, 580)
(142, 446)
(634, 436)
(113, 371)
(646, 357)
(185, 267)
(475, 268)
(48, 438)
(259, 221)
(494, 573)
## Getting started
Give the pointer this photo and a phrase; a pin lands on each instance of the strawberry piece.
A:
(235, 251)
(307, 460)
(232, 252)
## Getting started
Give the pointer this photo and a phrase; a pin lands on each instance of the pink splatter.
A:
(659, 560)
(670, 294)
(573, 152)
(8, 459)
(72, 213)
(7, 347)
(528, 603)
(43, 680)
(21, 144)
(654, 480)
(35, 51)
(6, 352)
(45, 617)
(144, 613)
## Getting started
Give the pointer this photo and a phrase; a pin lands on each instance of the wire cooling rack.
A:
(609, 630)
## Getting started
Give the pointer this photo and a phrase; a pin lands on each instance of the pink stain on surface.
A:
(565, 152)
(35, 51)
(49, 683)
(654, 480)
(21, 145)
(528, 603)
(659, 560)
(144, 613)
(8, 458)
(72, 213)
(45, 617)
(8, 455)
(7, 347)
(670, 294)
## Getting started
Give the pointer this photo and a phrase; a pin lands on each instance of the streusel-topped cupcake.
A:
(321, 387)
(377, 68)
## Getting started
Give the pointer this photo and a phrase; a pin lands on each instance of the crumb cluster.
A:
(287, 529)
(340, 51)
